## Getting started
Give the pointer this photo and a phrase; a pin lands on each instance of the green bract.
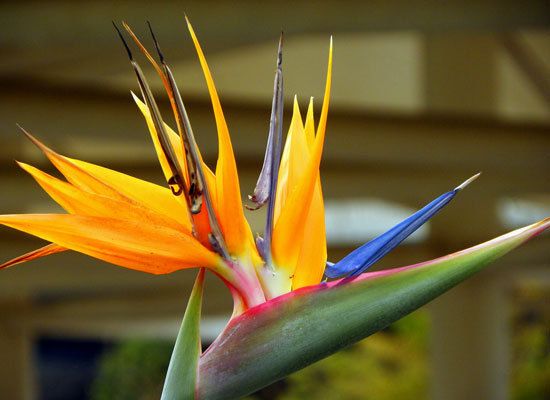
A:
(292, 331)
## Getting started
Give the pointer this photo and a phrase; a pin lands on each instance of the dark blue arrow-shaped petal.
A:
(362, 258)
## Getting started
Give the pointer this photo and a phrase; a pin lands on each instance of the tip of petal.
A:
(468, 181)
(34, 140)
(189, 26)
(32, 255)
(135, 97)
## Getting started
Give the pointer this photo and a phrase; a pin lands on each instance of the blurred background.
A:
(425, 94)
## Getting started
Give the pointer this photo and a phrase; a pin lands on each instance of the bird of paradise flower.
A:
(198, 221)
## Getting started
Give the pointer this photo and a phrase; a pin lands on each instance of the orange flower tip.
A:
(33, 255)
(467, 181)
(24, 166)
(28, 135)
(189, 26)
(35, 141)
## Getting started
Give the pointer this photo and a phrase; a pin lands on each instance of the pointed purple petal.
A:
(362, 258)
(276, 124)
(261, 192)
(267, 181)
(260, 246)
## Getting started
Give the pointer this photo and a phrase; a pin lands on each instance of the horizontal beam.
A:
(88, 23)
(79, 125)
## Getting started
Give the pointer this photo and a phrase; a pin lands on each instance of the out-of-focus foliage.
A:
(133, 370)
(530, 378)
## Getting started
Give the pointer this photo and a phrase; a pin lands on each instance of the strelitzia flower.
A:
(197, 220)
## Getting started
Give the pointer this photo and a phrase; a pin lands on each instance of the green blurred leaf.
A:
(132, 370)
(181, 377)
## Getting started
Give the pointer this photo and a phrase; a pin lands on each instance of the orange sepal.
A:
(293, 217)
(47, 250)
(293, 161)
(234, 225)
(313, 250)
(173, 138)
(77, 201)
(128, 243)
(76, 175)
(313, 253)
(110, 183)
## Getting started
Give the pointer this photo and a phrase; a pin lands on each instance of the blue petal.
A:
(362, 258)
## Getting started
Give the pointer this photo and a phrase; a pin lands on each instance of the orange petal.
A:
(236, 231)
(282, 180)
(293, 162)
(326, 101)
(310, 125)
(293, 218)
(33, 255)
(76, 201)
(145, 110)
(173, 137)
(313, 251)
(202, 225)
(76, 175)
(201, 220)
(128, 243)
(116, 185)
(146, 194)
(311, 246)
